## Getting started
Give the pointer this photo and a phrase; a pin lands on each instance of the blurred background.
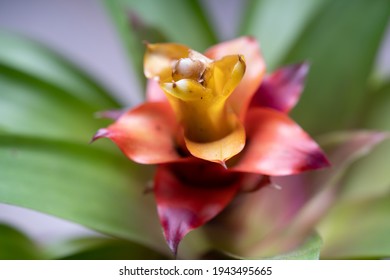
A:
(83, 32)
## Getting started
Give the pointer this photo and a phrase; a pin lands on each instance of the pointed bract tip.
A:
(101, 133)
(317, 160)
(173, 246)
(223, 163)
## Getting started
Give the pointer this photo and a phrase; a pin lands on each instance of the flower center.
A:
(197, 89)
(199, 92)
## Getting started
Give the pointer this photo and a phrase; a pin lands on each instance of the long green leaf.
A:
(132, 46)
(102, 249)
(181, 21)
(341, 43)
(81, 184)
(38, 62)
(358, 229)
(373, 171)
(30, 106)
(309, 250)
(277, 24)
(43, 95)
(16, 246)
(358, 225)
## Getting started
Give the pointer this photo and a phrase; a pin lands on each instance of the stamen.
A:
(188, 68)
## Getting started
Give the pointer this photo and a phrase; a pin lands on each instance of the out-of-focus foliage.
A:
(79, 183)
(27, 60)
(14, 245)
(358, 225)
(101, 248)
(371, 177)
(340, 46)
(277, 24)
(309, 250)
(358, 229)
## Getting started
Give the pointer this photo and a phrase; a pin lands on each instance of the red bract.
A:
(211, 135)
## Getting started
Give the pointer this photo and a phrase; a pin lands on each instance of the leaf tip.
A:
(318, 160)
(101, 133)
(176, 224)
(223, 164)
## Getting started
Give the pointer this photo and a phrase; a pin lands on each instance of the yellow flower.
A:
(198, 89)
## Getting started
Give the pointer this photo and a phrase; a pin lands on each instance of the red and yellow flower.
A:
(214, 126)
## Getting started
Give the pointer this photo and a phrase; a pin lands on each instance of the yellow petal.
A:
(201, 107)
(249, 48)
(226, 74)
(188, 90)
(221, 150)
(202, 115)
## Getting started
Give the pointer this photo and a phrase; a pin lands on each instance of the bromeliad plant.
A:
(213, 145)
(214, 128)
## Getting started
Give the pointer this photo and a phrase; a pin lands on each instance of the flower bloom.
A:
(214, 126)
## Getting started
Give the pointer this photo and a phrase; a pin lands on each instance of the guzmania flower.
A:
(215, 125)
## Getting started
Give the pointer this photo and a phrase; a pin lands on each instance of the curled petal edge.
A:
(277, 146)
(255, 69)
(281, 89)
(221, 150)
(145, 134)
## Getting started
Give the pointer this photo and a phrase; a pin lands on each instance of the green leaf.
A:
(373, 171)
(42, 95)
(82, 184)
(369, 177)
(145, 32)
(309, 250)
(341, 43)
(277, 24)
(30, 106)
(16, 246)
(36, 62)
(102, 249)
(358, 225)
(182, 21)
(377, 113)
(358, 229)
(132, 45)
